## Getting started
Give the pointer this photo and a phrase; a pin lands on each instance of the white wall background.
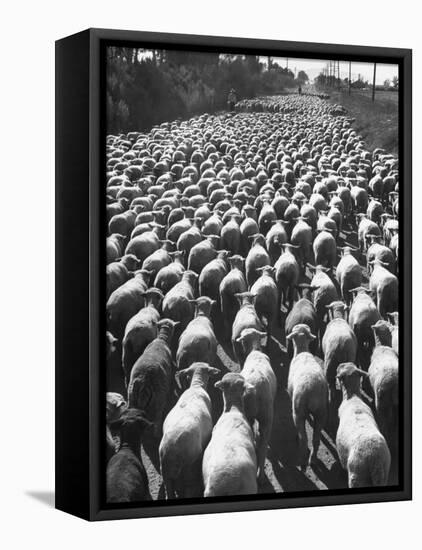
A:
(28, 32)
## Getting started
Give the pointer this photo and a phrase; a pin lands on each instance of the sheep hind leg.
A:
(262, 447)
(169, 488)
(316, 439)
(303, 451)
(354, 480)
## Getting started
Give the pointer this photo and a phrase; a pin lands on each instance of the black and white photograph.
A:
(252, 275)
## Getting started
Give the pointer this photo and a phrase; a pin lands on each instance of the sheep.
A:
(171, 274)
(126, 478)
(390, 228)
(233, 283)
(115, 407)
(339, 345)
(309, 214)
(186, 431)
(230, 235)
(376, 185)
(229, 466)
(266, 297)
(257, 257)
(275, 237)
(359, 199)
(152, 375)
(211, 276)
(248, 227)
(344, 194)
(114, 247)
(266, 217)
(259, 403)
(385, 287)
(202, 253)
(122, 223)
(362, 315)
(125, 302)
(383, 375)
(177, 303)
(119, 272)
(308, 391)
(177, 227)
(157, 260)
(325, 223)
(188, 239)
(362, 449)
(287, 273)
(348, 273)
(117, 207)
(377, 251)
(366, 227)
(213, 225)
(325, 249)
(246, 317)
(302, 237)
(198, 342)
(374, 211)
(324, 291)
(145, 244)
(141, 330)
(335, 214)
(318, 202)
(302, 313)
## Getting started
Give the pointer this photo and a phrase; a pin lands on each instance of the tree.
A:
(302, 77)
(387, 83)
(395, 82)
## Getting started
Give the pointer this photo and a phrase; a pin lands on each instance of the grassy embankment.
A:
(376, 121)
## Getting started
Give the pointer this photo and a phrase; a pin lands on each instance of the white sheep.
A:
(383, 375)
(186, 430)
(362, 449)
(308, 391)
(259, 403)
(229, 466)
(115, 407)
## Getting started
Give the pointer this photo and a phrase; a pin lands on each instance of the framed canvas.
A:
(229, 215)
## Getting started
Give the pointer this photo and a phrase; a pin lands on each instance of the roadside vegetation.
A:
(378, 121)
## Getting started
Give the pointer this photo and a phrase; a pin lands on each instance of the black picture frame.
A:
(80, 268)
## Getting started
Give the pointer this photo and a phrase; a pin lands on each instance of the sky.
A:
(313, 67)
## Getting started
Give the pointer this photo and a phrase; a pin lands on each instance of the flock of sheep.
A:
(251, 261)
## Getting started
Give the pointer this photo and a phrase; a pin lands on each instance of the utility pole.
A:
(373, 83)
(350, 77)
(338, 73)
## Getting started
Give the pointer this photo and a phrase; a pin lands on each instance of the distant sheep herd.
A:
(252, 259)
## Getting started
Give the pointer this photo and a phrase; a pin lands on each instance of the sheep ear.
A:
(289, 336)
(362, 372)
(338, 384)
(218, 385)
(214, 371)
